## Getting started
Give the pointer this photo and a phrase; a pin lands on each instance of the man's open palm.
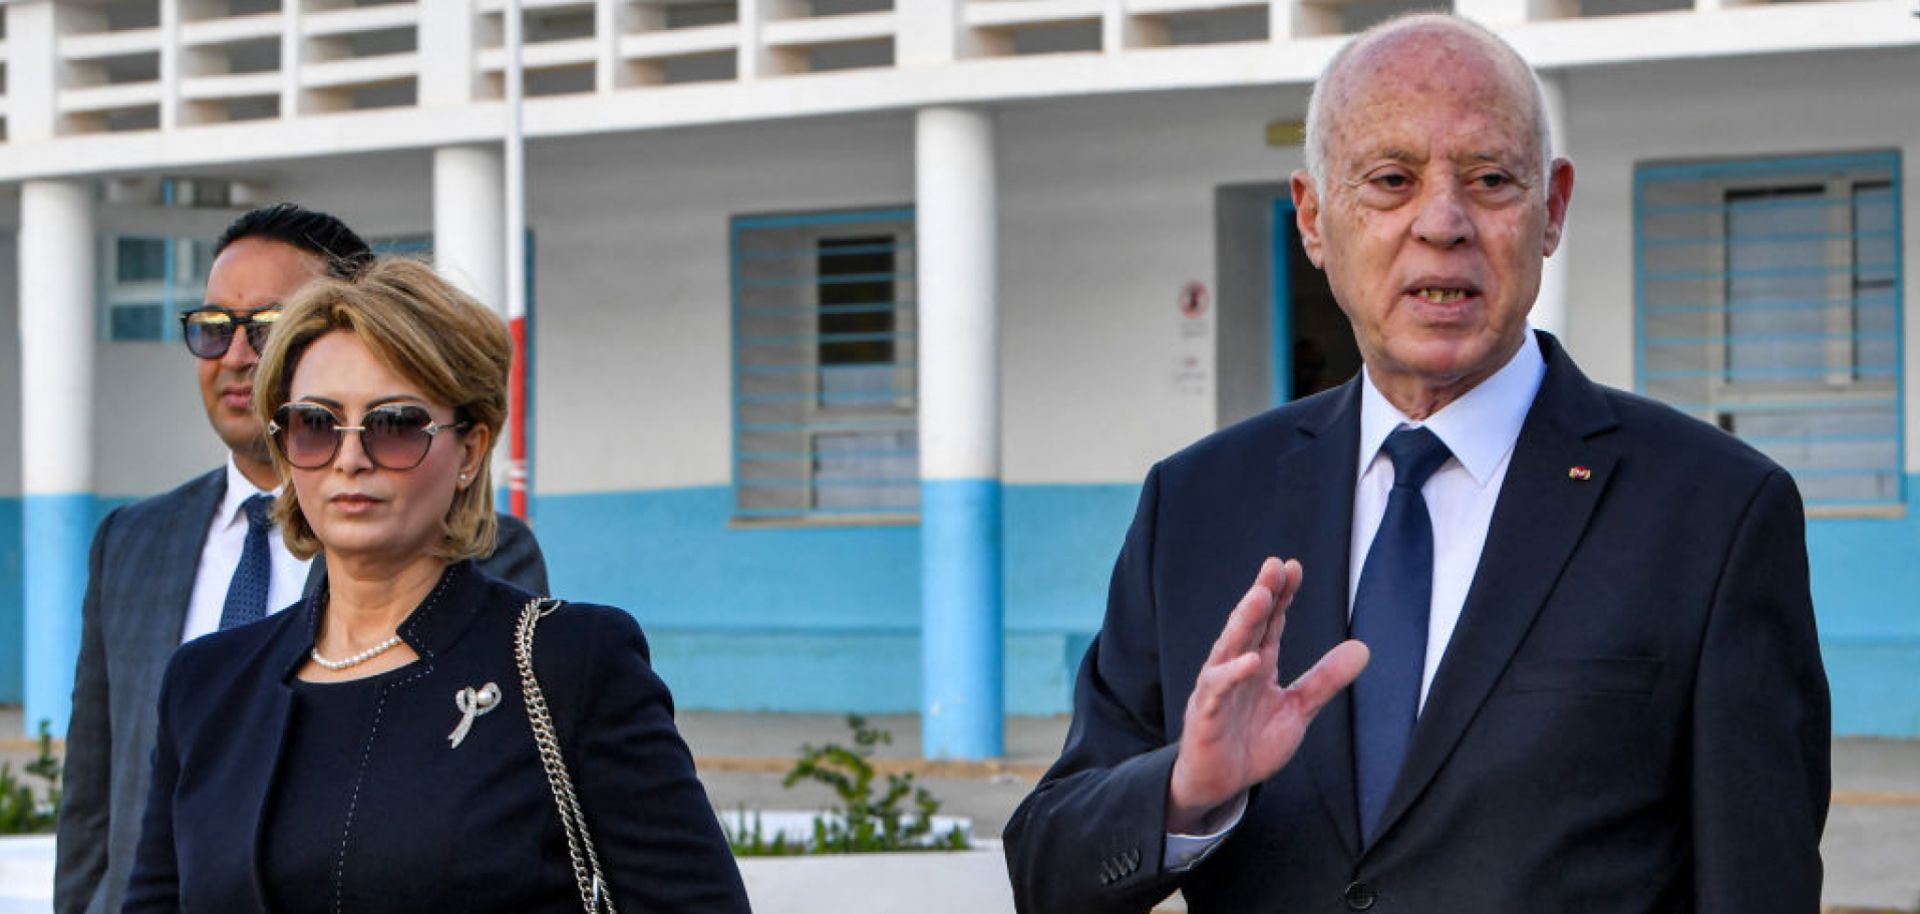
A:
(1242, 725)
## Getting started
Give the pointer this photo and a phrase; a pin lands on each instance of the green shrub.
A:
(21, 812)
(862, 822)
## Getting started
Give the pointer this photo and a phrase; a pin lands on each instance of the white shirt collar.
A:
(1479, 428)
(239, 489)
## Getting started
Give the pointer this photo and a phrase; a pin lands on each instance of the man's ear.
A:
(1559, 194)
(1306, 216)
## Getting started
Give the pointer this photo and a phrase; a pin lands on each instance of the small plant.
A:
(863, 822)
(748, 839)
(21, 812)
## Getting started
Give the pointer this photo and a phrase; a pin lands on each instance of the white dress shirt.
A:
(1480, 429)
(226, 539)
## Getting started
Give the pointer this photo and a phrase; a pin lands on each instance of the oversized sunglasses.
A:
(209, 331)
(394, 437)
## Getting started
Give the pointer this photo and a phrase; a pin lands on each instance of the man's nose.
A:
(1443, 220)
(240, 352)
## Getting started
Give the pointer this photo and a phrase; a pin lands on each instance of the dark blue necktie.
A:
(247, 593)
(1390, 617)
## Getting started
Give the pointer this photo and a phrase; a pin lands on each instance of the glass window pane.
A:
(140, 259)
(1767, 297)
(136, 321)
(824, 400)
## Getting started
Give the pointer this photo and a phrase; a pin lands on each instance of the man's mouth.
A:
(1440, 296)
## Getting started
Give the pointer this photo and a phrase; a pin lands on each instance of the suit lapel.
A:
(1315, 510)
(1540, 517)
(176, 555)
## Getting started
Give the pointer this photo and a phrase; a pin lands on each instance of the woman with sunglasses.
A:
(372, 749)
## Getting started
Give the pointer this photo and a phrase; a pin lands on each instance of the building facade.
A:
(854, 324)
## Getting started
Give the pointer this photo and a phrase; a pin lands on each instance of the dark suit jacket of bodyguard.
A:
(478, 821)
(1631, 715)
(139, 582)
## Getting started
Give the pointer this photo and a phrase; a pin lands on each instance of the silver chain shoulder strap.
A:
(586, 863)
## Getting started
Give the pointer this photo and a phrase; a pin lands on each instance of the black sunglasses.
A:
(395, 437)
(208, 331)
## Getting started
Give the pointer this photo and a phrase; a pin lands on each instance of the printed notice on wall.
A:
(1193, 348)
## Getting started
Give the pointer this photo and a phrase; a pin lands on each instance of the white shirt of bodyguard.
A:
(1480, 429)
(226, 539)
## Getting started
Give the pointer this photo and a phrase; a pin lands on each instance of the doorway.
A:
(1312, 347)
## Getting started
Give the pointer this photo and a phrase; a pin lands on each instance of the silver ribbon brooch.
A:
(472, 703)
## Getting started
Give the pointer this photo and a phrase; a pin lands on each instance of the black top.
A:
(316, 796)
(272, 794)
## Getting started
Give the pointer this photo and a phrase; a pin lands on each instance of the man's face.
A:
(1433, 224)
(252, 274)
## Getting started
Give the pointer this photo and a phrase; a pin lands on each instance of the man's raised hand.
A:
(1241, 724)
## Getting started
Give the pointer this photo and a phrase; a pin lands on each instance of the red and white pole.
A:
(516, 248)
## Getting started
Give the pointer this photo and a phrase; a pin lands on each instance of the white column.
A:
(929, 32)
(1288, 20)
(57, 340)
(1120, 31)
(1500, 14)
(753, 61)
(293, 52)
(961, 659)
(170, 64)
(469, 222)
(610, 21)
(469, 234)
(1550, 308)
(449, 55)
(33, 67)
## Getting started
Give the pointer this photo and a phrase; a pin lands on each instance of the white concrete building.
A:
(857, 319)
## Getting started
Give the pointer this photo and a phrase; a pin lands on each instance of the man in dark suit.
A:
(1576, 624)
(203, 556)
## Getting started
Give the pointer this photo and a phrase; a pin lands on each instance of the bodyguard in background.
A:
(1575, 623)
(202, 557)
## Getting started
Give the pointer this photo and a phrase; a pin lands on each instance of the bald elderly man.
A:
(1539, 645)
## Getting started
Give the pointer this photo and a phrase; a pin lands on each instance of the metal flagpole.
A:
(516, 252)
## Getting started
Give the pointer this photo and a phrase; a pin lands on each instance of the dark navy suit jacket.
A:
(1631, 715)
(139, 582)
(475, 826)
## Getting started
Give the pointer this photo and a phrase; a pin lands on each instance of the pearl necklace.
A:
(359, 658)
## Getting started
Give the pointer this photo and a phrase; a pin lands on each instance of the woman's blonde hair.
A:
(422, 328)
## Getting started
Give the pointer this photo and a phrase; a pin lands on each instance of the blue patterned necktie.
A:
(247, 594)
(1390, 610)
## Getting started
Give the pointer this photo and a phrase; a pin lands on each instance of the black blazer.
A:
(139, 582)
(1631, 715)
(476, 824)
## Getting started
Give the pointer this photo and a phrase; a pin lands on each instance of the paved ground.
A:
(1872, 845)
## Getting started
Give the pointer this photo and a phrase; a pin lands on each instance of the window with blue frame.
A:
(1768, 303)
(145, 280)
(823, 350)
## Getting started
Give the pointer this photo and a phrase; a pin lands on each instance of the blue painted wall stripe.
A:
(822, 612)
(56, 531)
(828, 618)
(13, 631)
(962, 617)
